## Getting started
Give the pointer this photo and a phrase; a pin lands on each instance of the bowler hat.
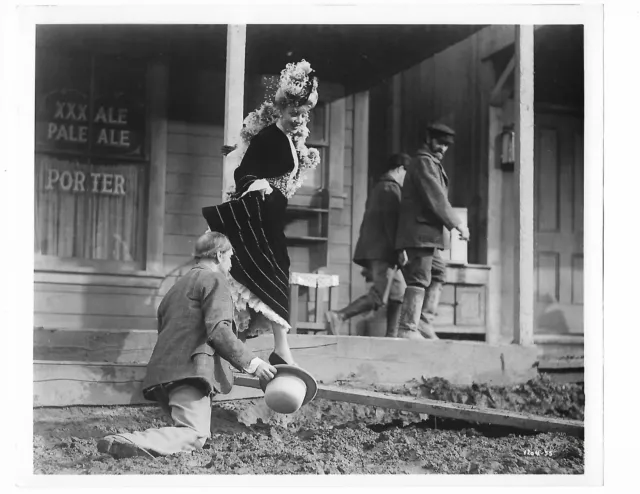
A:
(441, 131)
(290, 389)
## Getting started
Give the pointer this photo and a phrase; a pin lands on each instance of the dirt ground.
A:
(329, 437)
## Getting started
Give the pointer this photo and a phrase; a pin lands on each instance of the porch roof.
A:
(356, 56)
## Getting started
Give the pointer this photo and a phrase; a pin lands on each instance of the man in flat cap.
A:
(425, 211)
(375, 250)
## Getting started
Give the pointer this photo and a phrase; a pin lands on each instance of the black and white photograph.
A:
(314, 246)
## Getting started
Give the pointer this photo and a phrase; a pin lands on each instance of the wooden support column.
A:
(158, 96)
(496, 98)
(524, 272)
(233, 99)
(359, 184)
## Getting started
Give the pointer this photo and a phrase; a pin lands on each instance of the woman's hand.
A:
(261, 185)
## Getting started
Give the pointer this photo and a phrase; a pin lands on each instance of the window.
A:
(91, 162)
(319, 139)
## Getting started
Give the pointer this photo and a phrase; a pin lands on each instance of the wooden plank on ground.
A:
(440, 408)
(96, 383)
(564, 377)
(560, 363)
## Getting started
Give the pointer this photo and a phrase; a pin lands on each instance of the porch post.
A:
(524, 183)
(233, 99)
(359, 179)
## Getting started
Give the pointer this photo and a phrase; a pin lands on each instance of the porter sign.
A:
(79, 181)
(73, 176)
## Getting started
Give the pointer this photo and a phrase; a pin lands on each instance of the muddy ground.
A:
(329, 437)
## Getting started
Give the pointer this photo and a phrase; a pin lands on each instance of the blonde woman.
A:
(271, 171)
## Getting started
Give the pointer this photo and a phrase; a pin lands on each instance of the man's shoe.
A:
(121, 447)
(410, 334)
(334, 322)
(335, 319)
(426, 330)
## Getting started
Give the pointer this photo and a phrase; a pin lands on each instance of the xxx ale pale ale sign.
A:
(109, 125)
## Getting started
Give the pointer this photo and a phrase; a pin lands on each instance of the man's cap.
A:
(442, 131)
(398, 160)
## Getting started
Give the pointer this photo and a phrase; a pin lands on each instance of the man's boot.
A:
(336, 318)
(393, 318)
(410, 313)
(430, 310)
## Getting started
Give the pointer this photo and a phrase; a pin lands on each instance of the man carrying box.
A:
(425, 211)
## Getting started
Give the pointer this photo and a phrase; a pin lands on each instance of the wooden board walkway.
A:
(328, 358)
(440, 408)
(87, 367)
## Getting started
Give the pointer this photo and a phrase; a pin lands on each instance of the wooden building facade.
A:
(131, 120)
(471, 86)
(130, 123)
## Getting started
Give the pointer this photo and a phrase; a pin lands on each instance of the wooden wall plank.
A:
(158, 91)
(96, 289)
(84, 321)
(548, 166)
(190, 183)
(132, 347)
(197, 129)
(548, 277)
(96, 279)
(578, 204)
(577, 282)
(184, 224)
(180, 244)
(194, 145)
(96, 304)
(185, 203)
(203, 166)
(337, 136)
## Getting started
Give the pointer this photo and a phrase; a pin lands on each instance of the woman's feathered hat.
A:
(298, 86)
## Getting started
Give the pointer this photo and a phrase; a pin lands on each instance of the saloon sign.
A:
(109, 126)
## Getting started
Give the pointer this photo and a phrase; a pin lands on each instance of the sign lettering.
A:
(110, 125)
(76, 181)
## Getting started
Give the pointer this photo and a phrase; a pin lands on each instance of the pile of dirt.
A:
(540, 396)
(327, 437)
(65, 443)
